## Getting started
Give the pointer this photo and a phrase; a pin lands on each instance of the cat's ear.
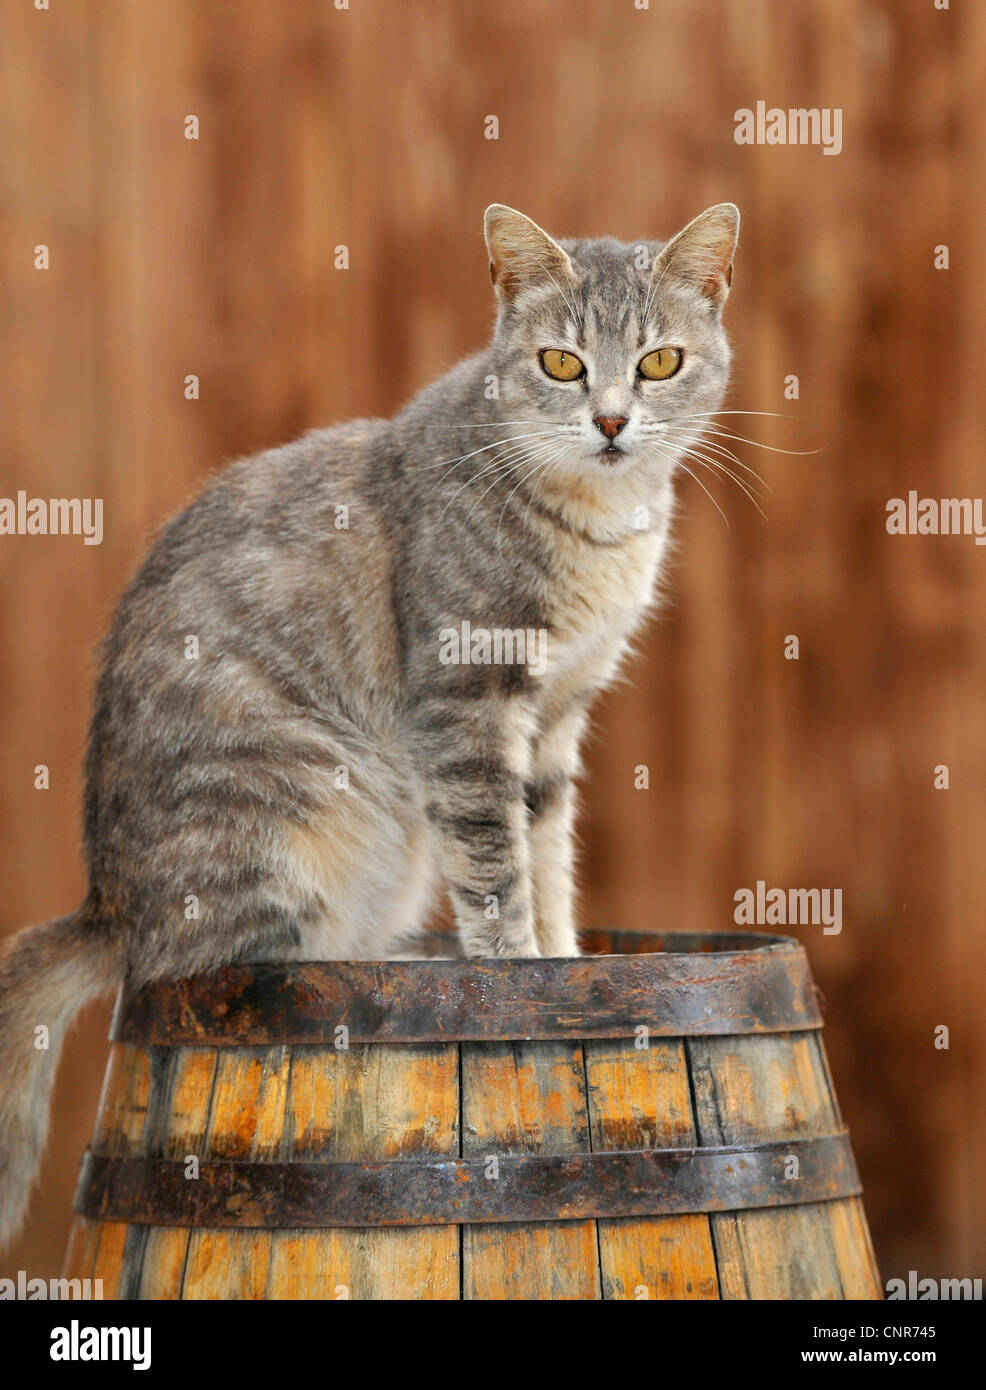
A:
(702, 254)
(521, 254)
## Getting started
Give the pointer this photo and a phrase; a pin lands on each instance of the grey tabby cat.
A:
(285, 757)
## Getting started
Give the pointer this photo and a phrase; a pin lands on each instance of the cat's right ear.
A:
(522, 255)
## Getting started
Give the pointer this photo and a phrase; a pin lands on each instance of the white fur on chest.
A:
(609, 591)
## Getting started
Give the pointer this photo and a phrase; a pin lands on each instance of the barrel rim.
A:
(666, 994)
(735, 942)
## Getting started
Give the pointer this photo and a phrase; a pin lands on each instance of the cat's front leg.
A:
(474, 758)
(550, 796)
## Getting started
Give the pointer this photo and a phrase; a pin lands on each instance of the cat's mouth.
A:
(611, 453)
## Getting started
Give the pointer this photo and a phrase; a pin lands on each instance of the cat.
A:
(319, 695)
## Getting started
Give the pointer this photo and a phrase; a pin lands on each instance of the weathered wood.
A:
(162, 1266)
(668, 1257)
(525, 1098)
(419, 1264)
(178, 1130)
(123, 1113)
(246, 1110)
(630, 1167)
(763, 986)
(182, 1110)
(639, 1098)
(227, 1264)
(775, 1090)
(80, 1253)
(108, 1262)
(368, 1102)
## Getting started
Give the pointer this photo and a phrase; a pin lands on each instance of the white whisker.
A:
(716, 448)
(721, 470)
(708, 494)
(756, 443)
(542, 465)
(684, 467)
(500, 467)
(452, 464)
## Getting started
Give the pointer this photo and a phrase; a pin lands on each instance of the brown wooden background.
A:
(365, 126)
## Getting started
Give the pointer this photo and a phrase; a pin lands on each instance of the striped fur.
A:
(281, 764)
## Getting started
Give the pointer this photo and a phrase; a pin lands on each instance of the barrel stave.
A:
(753, 1089)
(370, 1102)
(518, 1098)
(639, 1099)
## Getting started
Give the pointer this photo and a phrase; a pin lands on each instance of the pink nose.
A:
(609, 424)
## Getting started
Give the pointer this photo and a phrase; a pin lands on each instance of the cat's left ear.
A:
(521, 254)
(702, 254)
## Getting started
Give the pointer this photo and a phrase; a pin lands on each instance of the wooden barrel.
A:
(654, 1122)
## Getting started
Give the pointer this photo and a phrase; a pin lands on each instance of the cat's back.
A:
(252, 656)
(263, 518)
(262, 590)
(295, 492)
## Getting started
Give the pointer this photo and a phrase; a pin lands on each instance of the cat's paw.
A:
(502, 950)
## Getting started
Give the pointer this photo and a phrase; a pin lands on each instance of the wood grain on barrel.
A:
(183, 1112)
(526, 1098)
(759, 1089)
(80, 1254)
(108, 1262)
(162, 1269)
(179, 1129)
(98, 1249)
(419, 1263)
(266, 1103)
(370, 1102)
(245, 1121)
(639, 1099)
(853, 1248)
(123, 1112)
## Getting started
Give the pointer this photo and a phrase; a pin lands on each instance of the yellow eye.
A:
(563, 366)
(659, 365)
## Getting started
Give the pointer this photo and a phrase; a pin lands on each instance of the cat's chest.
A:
(604, 587)
(606, 593)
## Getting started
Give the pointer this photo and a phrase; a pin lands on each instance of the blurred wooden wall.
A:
(365, 127)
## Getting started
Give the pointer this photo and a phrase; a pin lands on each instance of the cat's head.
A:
(610, 354)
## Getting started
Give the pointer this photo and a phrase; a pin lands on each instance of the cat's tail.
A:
(47, 973)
